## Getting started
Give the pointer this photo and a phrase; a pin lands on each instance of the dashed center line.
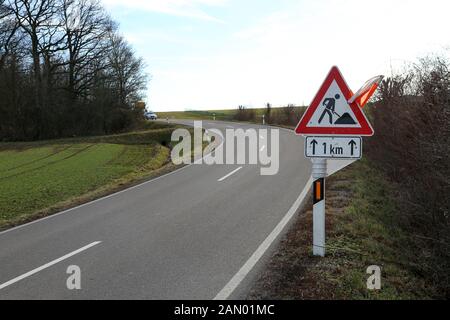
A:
(262, 148)
(48, 265)
(229, 175)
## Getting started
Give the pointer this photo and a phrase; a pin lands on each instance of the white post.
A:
(264, 119)
(319, 174)
(214, 117)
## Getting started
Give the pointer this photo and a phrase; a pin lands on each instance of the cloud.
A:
(181, 8)
(284, 56)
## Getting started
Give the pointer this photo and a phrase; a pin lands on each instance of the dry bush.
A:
(244, 114)
(412, 144)
(289, 115)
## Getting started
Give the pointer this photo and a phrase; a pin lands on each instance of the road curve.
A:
(181, 236)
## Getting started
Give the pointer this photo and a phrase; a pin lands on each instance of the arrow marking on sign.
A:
(314, 144)
(353, 145)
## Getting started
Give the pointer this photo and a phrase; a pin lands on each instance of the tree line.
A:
(65, 71)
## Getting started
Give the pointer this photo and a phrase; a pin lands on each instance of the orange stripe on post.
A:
(318, 190)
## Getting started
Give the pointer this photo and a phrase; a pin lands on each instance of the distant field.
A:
(36, 177)
(278, 115)
(223, 115)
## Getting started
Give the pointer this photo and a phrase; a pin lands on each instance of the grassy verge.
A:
(41, 178)
(361, 206)
(152, 132)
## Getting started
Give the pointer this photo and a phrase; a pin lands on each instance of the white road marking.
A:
(231, 127)
(229, 288)
(229, 175)
(262, 148)
(48, 265)
(262, 137)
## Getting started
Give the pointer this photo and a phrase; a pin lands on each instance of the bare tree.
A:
(126, 71)
(36, 19)
(87, 27)
(8, 32)
(82, 76)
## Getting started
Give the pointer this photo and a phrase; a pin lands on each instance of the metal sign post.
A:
(319, 173)
(333, 125)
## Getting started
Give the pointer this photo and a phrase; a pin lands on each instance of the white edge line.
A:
(230, 174)
(229, 288)
(48, 265)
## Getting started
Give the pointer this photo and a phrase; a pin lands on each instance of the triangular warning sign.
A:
(331, 114)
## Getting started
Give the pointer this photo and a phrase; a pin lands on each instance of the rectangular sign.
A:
(334, 147)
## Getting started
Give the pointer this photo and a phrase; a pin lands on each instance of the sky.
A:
(219, 54)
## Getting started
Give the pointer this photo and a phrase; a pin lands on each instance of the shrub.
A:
(411, 118)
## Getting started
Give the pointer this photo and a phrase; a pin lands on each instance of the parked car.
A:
(151, 116)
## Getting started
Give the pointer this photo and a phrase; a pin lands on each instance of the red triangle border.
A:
(365, 130)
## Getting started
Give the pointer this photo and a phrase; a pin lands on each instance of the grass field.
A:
(39, 178)
(222, 115)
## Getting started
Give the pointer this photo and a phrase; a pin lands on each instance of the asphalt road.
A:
(182, 236)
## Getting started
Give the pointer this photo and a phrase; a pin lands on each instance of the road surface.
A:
(182, 236)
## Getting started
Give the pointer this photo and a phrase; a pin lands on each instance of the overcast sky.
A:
(218, 54)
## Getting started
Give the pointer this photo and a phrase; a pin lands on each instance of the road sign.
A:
(333, 124)
(333, 147)
(331, 114)
(363, 95)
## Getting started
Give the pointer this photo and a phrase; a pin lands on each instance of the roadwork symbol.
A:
(330, 113)
(330, 110)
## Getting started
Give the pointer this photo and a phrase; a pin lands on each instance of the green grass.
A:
(37, 178)
(40, 178)
(43, 177)
(153, 132)
(362, 230)
(366, 234)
